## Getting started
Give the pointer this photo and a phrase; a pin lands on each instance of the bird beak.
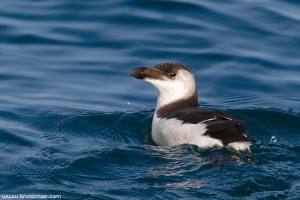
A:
(138, 72)
(144, 72)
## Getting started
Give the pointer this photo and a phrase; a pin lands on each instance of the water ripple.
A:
(65, 123)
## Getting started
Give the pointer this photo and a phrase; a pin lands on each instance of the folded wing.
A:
(219, 125)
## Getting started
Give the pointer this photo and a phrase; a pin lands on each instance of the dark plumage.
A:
(178, 99)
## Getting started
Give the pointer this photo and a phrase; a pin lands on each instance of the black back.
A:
(220, 125)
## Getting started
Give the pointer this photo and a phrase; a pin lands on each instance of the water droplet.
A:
(128, 103)
(273, 139)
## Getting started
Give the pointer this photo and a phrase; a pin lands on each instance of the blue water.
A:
(74, 123)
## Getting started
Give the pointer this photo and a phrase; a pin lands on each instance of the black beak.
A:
(137, 72)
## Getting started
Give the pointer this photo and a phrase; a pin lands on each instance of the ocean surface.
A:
(74, 124)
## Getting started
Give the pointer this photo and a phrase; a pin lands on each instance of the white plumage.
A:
(178, 119)
(169, 132)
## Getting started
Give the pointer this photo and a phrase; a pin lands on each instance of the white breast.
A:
(169, 132)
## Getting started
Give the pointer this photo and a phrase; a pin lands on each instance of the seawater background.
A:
(74, 123)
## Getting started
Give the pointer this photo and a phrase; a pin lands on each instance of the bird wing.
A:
(210, 117)
(219, 125)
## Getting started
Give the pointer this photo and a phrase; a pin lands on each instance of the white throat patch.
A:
(170, 90)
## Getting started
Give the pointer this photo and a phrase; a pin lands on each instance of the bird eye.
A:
(172, 74)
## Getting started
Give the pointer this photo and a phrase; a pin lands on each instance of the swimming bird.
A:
(178, 118)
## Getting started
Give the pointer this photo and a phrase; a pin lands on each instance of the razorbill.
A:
(178, 118)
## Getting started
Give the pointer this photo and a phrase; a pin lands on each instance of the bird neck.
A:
(163, 109)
